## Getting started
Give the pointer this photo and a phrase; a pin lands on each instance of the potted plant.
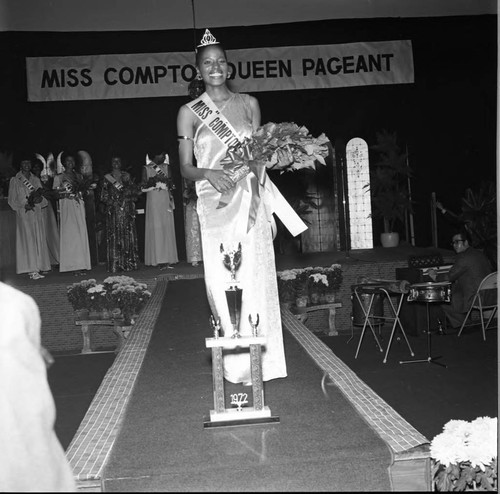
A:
(335, 278)
(130, 297)
(389, 176)
(98, 302)
(317, 283)
(79, 298)
(465, 456)
(286, 286)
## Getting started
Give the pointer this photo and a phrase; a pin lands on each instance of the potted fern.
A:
(389, 176)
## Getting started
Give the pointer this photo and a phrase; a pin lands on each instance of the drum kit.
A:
(429, 292)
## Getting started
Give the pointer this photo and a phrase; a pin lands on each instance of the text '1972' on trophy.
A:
(232, 261)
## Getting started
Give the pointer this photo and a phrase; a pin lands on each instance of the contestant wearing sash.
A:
(48, 213)
(32, 253)
(118, 196)
(74, 251)
(228, 225)
(160, 246)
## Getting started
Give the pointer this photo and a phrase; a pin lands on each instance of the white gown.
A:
(257, 273)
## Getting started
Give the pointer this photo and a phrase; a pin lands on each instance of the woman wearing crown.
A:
(237, 114)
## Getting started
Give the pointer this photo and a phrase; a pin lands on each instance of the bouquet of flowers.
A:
(158, 183)
(34, 198)
(465, 455)
(77, 188)
(266, 144)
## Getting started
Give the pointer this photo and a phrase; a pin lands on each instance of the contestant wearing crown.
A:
(228, 225)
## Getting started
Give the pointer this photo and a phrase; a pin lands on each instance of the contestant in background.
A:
(228, 225)
(160, 246)
(74, 251)
(48, 212)
(118, 194)
(26, 199)
(31, 457)
(194, 253)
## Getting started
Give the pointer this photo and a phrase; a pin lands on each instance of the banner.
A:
(149, 75)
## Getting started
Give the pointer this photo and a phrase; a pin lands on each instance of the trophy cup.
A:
(232, 261)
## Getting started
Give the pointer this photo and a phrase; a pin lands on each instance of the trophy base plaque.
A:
(226, 417)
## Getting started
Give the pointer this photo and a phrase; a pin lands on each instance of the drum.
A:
(359, 309)
(430, 292)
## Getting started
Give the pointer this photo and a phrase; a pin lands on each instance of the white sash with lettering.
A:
(206, 110)
(114, 182)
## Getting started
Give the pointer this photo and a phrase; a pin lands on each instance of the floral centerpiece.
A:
(334, 277)
(318, 285)
(286, 285)
(128, 295)
(98, 299)
(465, 456)
(122, 296)
(78, 294)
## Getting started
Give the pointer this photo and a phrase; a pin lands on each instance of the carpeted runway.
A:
(320, 444)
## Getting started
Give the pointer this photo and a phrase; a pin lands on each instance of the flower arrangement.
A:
(158, 183)
(304, 148)
(298, 282)
(286, 285)
(115, 292)
(334, 276)
(78, 295)
(317, 283)
(98, 299)
(34, 198)
(465, 455)
(264, 145)
(127, 294)
(76, 188)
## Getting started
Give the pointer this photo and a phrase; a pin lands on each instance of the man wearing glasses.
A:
(467, 272)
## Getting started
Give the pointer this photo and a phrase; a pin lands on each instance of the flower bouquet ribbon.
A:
(239, 162)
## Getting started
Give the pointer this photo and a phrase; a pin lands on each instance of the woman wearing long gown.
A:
(160, 247)
(32, 253)
(192, 224)
(118, 195)
(74, 251)
(226, 228)
(48, 213)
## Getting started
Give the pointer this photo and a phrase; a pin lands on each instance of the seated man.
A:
(466, 274)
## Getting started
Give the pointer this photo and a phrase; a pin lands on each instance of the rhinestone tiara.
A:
(208, 39)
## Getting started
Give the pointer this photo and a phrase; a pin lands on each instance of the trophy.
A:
(232, 261)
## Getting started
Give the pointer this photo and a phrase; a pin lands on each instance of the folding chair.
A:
(480, 302)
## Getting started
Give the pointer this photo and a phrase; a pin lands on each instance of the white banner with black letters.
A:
(147, 75)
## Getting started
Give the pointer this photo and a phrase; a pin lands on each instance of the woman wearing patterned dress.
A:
(228, 225)
(118, 194)
(191, 224)
(74, 252)
(32, 253)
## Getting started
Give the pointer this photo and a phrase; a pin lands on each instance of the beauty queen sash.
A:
(206, 110)
(27, 183)
(114, 182)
